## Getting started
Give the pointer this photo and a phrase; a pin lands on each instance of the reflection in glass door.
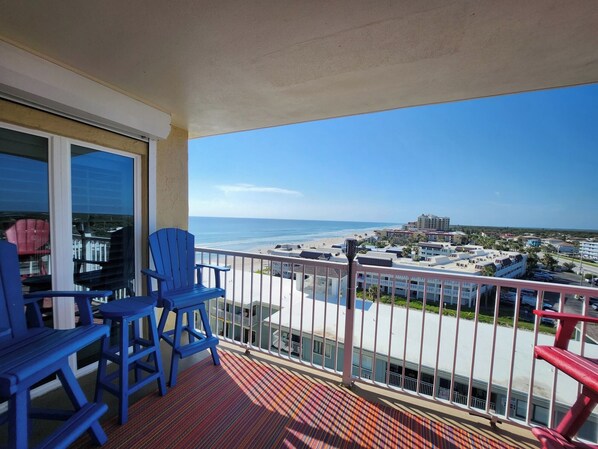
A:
(103, 213)
(103, 221)
(24, 208)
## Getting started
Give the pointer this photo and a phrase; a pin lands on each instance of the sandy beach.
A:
(263, 251)
(314, 244)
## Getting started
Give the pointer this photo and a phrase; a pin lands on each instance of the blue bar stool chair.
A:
(130, 311)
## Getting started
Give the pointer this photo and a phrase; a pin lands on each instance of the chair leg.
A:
(18, 420)
(205, 321)
(208, 330)
(77, 397)
(577, 414)
(156, 355)
(174, 363)
(102, 364)
(163, 320)
(123, 393)
(191, 325)
(136, 347)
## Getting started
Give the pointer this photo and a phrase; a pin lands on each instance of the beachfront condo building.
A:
(589, 250)
(442, 258)
(405, 235)
(430, 221)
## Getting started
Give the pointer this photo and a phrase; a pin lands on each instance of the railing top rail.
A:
(270, 257)
(477, 279)
(423, 273)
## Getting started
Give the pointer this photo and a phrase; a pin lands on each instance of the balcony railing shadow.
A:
(472, 350)
(255, 401)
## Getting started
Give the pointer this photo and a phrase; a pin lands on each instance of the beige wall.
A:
(172, 191)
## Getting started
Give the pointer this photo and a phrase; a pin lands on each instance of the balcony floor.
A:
(261, 401)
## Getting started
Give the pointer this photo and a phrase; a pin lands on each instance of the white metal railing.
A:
(479, 357)
(88, 251)
(91, 248)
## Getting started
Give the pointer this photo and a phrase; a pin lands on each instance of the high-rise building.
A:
(433, 222)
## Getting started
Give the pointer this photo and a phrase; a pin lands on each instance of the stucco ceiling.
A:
(224, 66)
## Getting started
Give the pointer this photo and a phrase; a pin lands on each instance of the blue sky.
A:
(517, 160)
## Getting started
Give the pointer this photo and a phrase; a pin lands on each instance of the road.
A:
(585, 266)
(573, 305)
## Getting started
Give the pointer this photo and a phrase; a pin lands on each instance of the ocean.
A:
(243, 234)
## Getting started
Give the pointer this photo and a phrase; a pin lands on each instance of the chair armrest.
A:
(217, 270)
(156, 275)
(213, 267)
(78, 263)
(82, 299)
(567, 323)
(161, 278)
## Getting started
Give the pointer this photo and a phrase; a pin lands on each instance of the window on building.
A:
(319, 348)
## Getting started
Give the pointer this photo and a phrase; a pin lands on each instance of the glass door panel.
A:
(24, 208)
(103, 225)
(103, 221)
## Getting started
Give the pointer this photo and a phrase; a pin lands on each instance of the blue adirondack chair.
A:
(30, 352)
(180, 290)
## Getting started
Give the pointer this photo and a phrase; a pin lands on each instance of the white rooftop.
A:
(389, 330)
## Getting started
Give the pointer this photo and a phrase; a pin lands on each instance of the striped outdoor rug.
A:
(250, 404)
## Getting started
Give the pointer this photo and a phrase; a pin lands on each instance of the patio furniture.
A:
(584, 370)
(179, 291)
(125, 312)
(30, 353)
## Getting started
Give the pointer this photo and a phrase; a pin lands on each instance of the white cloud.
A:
(236, 188)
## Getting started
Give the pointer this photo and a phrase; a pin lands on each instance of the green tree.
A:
(489, 270)
(372, 292)
(569, 266)
(549, 261)
(532, 262)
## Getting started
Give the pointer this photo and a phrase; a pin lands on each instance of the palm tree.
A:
(372, 292)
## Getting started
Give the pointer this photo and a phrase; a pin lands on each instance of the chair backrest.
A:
(173, 253)
(119, 269)
(12, 312)
(29, 234)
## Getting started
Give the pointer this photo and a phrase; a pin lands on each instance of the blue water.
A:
(244, 234)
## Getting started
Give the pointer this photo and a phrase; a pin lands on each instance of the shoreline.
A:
(312, 244)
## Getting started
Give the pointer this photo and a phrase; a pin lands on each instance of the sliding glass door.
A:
(73, 211)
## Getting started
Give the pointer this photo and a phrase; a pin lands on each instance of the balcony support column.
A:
(350, 251)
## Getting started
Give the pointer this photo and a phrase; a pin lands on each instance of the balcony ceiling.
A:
(226, 66)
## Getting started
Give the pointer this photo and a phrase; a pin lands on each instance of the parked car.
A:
(546, 320)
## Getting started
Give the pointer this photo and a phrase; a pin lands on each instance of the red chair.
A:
(31, 236)
(583, 369)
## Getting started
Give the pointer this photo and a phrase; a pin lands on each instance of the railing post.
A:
(350, 252)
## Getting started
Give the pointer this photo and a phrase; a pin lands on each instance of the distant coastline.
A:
(251, 234)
